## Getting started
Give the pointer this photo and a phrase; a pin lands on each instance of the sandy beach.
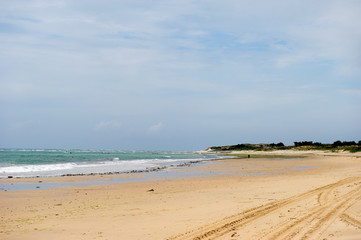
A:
(317, 196)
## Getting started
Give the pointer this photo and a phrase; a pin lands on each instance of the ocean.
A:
(58, 162)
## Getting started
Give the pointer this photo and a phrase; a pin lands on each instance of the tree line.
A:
(351, 146)
(337, 143)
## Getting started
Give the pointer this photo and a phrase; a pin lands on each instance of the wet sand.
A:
(316, 197)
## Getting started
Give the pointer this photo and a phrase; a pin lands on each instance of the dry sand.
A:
(317, 197)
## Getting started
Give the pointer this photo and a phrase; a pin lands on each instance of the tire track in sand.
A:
(312, 225)
(318, 208)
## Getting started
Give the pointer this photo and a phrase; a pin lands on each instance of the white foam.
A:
(106, 166)
(37, 168)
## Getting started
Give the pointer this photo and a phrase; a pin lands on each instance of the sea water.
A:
(58, 162)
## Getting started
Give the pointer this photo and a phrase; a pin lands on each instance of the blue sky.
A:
(178, 75)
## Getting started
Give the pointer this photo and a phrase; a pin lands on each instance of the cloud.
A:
(21, 125)
(155, 128)
(190, 63)
(352, 92)
(108, 125)
(330, 34)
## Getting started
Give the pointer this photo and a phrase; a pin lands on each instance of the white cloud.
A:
(352, 92)
(155, 128)
(21, 125)
(333, 33)
(108, 125)
(136, 60)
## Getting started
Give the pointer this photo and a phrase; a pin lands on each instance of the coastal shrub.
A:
(337, 143)
(280, 144)
(355, 149)
(318, 144)
(350, 143)
(304, 143)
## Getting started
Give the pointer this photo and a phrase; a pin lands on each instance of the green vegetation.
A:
(350, 146)
(247, 146)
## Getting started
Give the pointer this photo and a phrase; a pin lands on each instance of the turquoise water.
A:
(57, 162)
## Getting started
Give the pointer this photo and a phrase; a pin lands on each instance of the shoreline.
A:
(152, 174)
(92, 179)
(48, 163)
(222, 199)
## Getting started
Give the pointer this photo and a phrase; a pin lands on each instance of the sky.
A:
(178, 75)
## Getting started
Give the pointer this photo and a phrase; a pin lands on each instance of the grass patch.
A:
(355, 149)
